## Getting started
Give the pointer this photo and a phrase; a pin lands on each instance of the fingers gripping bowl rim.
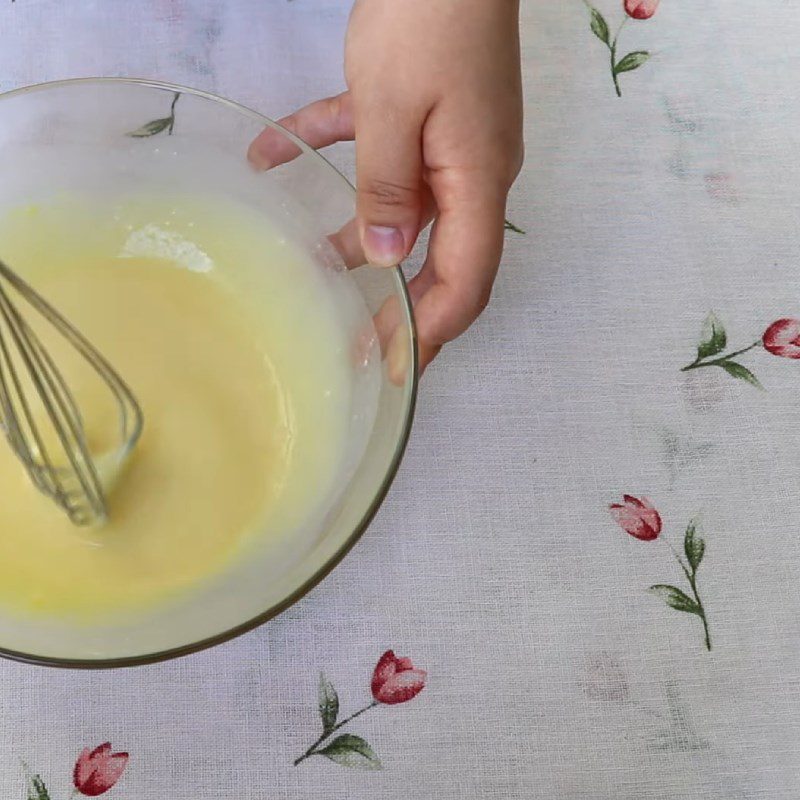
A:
(93, 114)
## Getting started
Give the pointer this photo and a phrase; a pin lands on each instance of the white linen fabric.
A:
(496, 564)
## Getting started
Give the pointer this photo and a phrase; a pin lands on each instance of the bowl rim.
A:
(372, 509)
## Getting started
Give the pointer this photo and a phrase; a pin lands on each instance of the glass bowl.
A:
(91, 134)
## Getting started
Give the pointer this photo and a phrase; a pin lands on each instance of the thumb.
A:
(389, 184)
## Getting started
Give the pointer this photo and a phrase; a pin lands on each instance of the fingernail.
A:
(257, 159)
(383, 246)
(398, 356)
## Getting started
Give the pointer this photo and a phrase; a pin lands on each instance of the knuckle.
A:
(509, 165)
(337, 112)
(476, 299)
(335, 109)
(482, 300)
(512, 163)
(388, 194)
(518, 162)
(292, 124)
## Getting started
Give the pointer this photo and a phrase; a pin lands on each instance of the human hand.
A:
(434, 104)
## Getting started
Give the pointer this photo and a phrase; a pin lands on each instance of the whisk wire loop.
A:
(75, 485)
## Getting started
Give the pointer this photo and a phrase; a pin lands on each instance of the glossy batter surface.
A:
(205, 313)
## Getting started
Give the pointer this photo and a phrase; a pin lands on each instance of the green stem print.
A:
(36, 787)
(510, 226)
(640, 519)
(600, 29)
(355, 744)
(721, 361)
(781, 339)
(694, 548)
(713, 340)
(394, 680)
(158, 125)
(613, 49)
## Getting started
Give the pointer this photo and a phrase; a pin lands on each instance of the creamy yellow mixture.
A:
(226, 337)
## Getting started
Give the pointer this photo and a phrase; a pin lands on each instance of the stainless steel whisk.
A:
(62, 467)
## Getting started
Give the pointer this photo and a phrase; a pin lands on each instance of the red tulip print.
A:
(641, 9)
(395, 680)
(637, 517)
(96, 771)
(634, 9)
(782, 338)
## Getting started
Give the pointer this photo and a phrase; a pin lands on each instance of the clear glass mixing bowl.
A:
(99, 133)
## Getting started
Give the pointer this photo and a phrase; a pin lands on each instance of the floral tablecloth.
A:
(585, 584)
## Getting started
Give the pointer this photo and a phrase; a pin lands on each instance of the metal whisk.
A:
(61, 466)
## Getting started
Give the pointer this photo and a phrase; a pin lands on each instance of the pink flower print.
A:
(605, 679)
(637, 517)
(170, 10)
(96, 771)
(782, 338)
(641, 9)
(395, 680)
(636, 9)
(721, 187)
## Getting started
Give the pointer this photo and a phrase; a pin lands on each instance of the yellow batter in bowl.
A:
(207, 314)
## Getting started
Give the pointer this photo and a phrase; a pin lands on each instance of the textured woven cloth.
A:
(554, 671)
